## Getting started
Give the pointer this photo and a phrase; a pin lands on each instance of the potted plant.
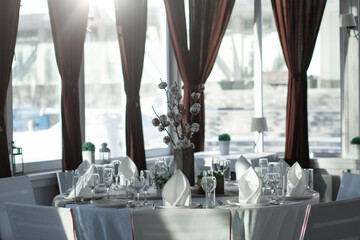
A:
(88, 152)
(356, 142)
(219, 182)
(224, 143)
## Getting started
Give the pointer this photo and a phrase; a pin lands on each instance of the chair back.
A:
(65, 180)
(333, 220)
(174, 224)
(13, 189)
(40, 222)
(349, 186)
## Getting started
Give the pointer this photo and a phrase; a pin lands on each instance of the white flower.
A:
(166, 123)
(177, 96)
(166, 139)
(195, 96)
(162, 85)
(174, 90)
(195, 127)
(178, 117)
(195, 109)
(163, 118)
(155, 122)
(161, 128)
(172, 103)
(192, 145)
(186, 127)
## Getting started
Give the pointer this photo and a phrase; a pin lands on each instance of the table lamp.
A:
(258, 124)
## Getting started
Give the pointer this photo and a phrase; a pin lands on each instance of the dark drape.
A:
(9, 19)
(207, 21)
(68, 25)
(298, 24)
(131, 22)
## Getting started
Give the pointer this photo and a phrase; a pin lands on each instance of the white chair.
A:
(40, 222)
(332, 221)
(349, 187)
(13, 189)
(174, 224)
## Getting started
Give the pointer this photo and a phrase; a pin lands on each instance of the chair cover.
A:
(349, 187)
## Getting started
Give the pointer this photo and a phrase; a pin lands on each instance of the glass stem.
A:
(137, 197)
(92, 195)
(145, 197)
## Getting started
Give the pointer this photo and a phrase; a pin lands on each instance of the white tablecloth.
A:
(268, 222)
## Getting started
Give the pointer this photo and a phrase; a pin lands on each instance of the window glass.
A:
(105, 98)
(36, 86)
(323, 86)
(229, 94)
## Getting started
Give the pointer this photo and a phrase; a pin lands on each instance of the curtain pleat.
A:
(68, 25)
(131, 23)
(298, 24)
(9, 20)
(208, 20)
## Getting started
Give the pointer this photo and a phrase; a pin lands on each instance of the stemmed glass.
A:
(137, 183)
(208, 184)
(92, 182)
(116, 164)
(146, 175)
(221, 164)
(108, 179)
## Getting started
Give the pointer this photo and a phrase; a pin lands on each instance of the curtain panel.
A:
(131, 23)
(208, 20)
(298, 24)
(9, 20)
(68, 24)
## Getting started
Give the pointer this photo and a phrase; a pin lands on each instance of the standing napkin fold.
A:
(82, 188)
(250, 187)
(128, 169)
(296, 181)
(241, 165)
(176, 191)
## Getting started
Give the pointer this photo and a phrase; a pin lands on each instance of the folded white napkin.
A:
(128, 169)
(250, 186)
(82, 188)
(285, 165)
(296, 181)
(176, 191)
(241, 165)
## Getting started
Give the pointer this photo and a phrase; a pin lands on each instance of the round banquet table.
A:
(250, 223)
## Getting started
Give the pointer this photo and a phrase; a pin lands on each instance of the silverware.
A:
(220, 202)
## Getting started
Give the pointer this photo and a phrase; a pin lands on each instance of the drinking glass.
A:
(208, 184)
(137, 183)
(116, 165)
(221, 164)
(309, 174)
(146, 175)
(263, 162)
(274, 179)
(69, 176)
(75, 180)
(108, 179)
(92, 182)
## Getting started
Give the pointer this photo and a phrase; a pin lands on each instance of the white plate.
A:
(197, 205)
(303, 197)
(110, 203)
(234, 202)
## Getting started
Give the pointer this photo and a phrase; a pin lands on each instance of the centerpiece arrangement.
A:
(88, 152)
(182, 130)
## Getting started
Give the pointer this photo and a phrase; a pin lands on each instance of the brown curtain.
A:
(131, 22)
(298, 24)
(208, 21)
(68, 25)
(9, 19)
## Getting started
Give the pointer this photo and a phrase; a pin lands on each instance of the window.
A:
(105, 98)
(36, 86)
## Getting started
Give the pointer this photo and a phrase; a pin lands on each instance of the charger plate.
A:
(235, 202)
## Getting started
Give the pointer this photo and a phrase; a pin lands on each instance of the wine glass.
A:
(272, 178)
(146, 175)
(108, 179)
(221, 164)
(137, 183)
(92, 182)
(208, 184)
(116, 174)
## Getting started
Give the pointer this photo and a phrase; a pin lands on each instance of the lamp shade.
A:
(259, 124)
(347, 20)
